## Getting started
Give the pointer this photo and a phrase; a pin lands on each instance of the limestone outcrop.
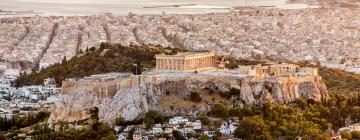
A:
(147, 91)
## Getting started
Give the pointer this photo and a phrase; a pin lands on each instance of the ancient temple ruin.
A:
(187, 61)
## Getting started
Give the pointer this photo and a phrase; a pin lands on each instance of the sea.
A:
(123, 7)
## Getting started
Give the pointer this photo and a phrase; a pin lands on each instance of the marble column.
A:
(209, 62)
(176, 64)
(185, 64)
(161, 64)
(167, 64)
(206, 62)
(173, 63)
(157, 63)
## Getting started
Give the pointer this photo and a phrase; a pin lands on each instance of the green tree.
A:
(64, 60)
(204, 137)
(355, 114)
(111, 136)
(234, 92)
(178, 135)
(130, 134)
(355, 134)
(253, 128)
(217, 135)
(204, 120)
(153, 117)
(346, 135)
(120, 121)
(195, 97)
(234, 112)
(219, 110)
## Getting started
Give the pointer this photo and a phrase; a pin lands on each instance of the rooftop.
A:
(186, 54)
(105, 76)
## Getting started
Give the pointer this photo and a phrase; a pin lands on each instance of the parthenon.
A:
(187, 61)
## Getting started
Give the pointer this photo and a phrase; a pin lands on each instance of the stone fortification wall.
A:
(137, 94)
(103, 89)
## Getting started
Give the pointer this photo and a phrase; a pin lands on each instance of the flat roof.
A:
(105, 76)
(186, 54)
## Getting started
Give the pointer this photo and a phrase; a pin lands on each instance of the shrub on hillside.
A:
(195, 97)
(153, 117)
(346, 135)
(220, 111)
(120, 121)
(355, 135)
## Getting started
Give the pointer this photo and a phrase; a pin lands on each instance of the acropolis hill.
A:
(129, 95)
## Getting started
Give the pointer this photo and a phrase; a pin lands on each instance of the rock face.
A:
(74, 107)
(131, 102)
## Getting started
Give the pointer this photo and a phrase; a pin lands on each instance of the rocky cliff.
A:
(149, 92)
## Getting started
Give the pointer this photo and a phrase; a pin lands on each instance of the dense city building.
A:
(324, 36)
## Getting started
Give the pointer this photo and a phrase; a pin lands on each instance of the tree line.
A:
(16, 122)
(305, 118)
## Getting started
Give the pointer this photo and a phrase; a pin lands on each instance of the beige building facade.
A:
(187, 61)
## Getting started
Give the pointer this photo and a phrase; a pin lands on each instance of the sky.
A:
(123, 7)
(133, 1)
(70, 1)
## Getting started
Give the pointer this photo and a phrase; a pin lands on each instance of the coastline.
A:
(183, 7)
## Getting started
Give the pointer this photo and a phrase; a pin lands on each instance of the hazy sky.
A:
(73, 1)
(104, 1)
(134, 1)
(123, 7)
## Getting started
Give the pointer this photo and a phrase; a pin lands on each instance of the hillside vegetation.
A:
(108, 58)
(340, 81)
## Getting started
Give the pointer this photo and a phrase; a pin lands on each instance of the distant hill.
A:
(108, 58)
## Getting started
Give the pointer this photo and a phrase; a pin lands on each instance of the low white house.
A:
(188, 128)
(121, 137)
(196, 125)
(11, 73)
(43, 64)
(157, 129)
(5, 82)
(209, 133)
(178, 120)
(5, 113)
(52, 99)
(5, 86)
(34, 96)
(228, 128)
(169, 128)
(351, 128)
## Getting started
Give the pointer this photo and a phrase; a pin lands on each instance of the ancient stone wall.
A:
(138, 94)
